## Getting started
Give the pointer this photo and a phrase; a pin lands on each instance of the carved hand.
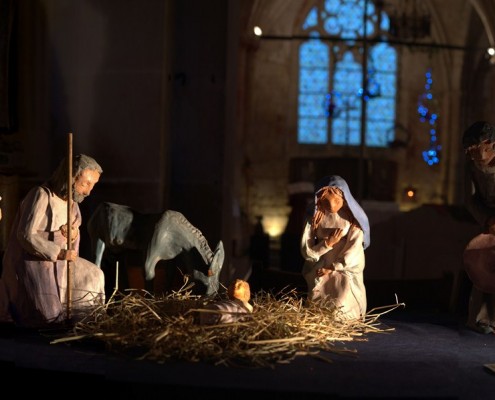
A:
(334, 237)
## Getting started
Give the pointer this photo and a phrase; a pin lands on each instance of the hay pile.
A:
(281, 328)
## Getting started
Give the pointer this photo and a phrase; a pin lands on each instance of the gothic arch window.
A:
(331, 76)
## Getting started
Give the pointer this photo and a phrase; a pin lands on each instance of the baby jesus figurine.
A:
(230, 310)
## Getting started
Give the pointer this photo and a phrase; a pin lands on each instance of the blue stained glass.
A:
(347, 75)
(370, 29)
(376, 133)
(346, 132)
(387, 84)
(332, 25)
(346, 16)
(314, 53)
(313, 80)
(351, 20)
(380, 108)
(332, 6)
(385, 56)
(385, 25)
(344, 84)
(311, 105)
(311, 19)
(339, 132)
(312, 131)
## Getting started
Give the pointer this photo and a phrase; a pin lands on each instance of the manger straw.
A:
(69, 225)
(281, 328)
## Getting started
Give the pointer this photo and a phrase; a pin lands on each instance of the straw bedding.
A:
(282, 326)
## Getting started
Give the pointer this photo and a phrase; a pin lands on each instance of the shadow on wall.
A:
(424, 243)
(418, 256)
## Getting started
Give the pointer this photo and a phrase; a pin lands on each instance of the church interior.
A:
(229, 111)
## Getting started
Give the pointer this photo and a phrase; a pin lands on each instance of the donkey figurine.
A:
(164, 236)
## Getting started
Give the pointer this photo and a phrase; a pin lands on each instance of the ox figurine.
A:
(164, 236)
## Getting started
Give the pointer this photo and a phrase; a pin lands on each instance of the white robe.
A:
(33, 290)
(346, 260)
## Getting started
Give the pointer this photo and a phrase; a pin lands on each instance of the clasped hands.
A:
(74, 232)
(330, 241)
(69, 255)
(334, 237)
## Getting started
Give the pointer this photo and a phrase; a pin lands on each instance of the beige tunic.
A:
(34, 282)
(346, 261)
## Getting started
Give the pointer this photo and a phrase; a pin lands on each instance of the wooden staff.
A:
(69, 225)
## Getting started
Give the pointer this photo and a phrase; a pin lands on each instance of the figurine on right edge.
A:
(333, 243)
(478, 142)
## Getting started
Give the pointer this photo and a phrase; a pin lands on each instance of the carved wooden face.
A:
(331, 200)
(483, 154)
(84, 184)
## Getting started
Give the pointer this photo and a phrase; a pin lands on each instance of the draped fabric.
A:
(344, 262)
(34, 281)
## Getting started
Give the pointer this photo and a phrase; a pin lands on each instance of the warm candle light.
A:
(274, 225)
(410, 193)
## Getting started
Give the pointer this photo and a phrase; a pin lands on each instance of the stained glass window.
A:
(331, 76)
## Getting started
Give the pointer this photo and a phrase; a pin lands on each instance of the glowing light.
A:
(491, 55)
(410, 193)
(257, 31)
(274, 225)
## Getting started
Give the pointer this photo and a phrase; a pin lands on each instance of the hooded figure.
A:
(479, 146)
(335, 236)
